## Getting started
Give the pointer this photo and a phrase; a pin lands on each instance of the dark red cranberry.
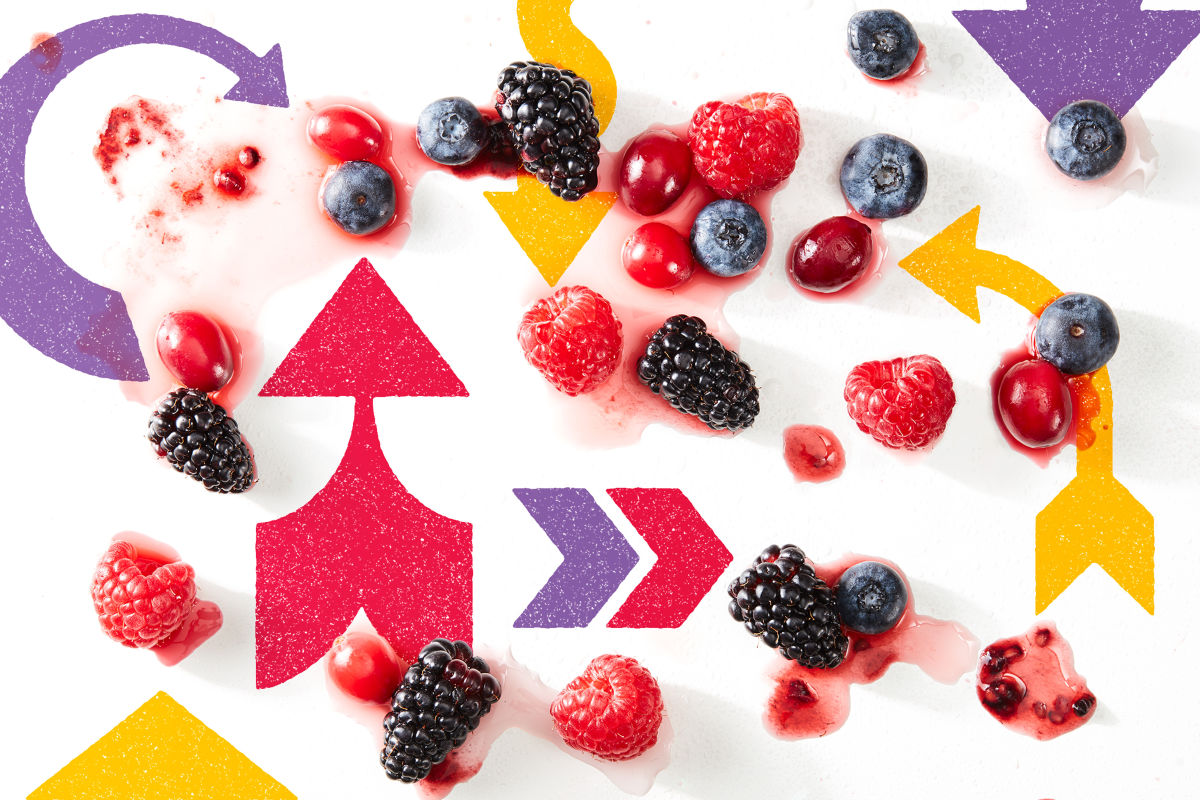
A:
(1034, 402)
(832, 254)
(655, 255)
(230, 181)
(346, 133)
(655, 170)
(193, 347)
(249, 157)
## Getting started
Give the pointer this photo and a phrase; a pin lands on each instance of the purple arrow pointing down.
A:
(1060, 51)
(74, 321)
(596, 558)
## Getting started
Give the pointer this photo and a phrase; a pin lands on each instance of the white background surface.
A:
(76, 469)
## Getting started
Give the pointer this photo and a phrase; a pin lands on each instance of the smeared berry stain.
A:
(138, 121)
(50, 48)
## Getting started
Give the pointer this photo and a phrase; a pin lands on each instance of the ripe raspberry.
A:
(744, 147)
(613, 710)
(141, 602)
(903, 403)
(573, 339)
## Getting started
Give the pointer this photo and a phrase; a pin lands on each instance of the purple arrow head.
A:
(1060, 51)
(262, 81)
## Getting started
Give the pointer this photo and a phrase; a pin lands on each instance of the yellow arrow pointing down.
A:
(1094, 520)
(552, 231)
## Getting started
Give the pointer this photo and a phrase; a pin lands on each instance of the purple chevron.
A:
(596, 558)
(74, 321)
(1060, 51)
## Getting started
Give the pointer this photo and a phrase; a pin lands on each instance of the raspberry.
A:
(748, 146)
(904, 403)
(572, 338)
(613, 710)
(141, 602)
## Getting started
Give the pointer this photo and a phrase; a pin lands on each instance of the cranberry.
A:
(249, 157)
(362, 665)
(229, 181)
(832, 254)
(655, 170)
(194, 349)
(1034, 402)
(655, 255)
(346, 133)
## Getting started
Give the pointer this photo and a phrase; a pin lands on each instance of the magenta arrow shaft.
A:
(69, 318)
(596, 558)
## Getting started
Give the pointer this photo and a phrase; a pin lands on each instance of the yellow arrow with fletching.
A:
(1094, 520)
(552, 231)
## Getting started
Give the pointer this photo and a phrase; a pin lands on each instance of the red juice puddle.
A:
(807, 703)
(864, 283)
(202, 621)
(1029, 684)
(813, 453)
(49, 48)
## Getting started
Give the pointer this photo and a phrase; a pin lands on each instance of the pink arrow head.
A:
(691, 558)
(362, 542)
(364, 343)
(1061, 51)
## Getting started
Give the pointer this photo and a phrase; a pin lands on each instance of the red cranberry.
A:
(194, 349)
(655, 170)
(655, 255)
(249, 157)
(346, 133)
(229, 181)
(832, 254)
(363, 666)
(1035, 403)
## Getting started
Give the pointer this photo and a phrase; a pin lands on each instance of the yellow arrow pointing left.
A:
(161, 752)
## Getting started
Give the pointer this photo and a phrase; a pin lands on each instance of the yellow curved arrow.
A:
(552, 231)
(1094, 520)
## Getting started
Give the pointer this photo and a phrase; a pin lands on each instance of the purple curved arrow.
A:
(1060, 51)
(74, 321)
(596, 558)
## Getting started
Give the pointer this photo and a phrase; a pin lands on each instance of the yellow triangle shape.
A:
(550, 230)
(161, 752)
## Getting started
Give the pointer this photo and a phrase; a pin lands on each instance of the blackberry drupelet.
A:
(444, 694)
(697, 375)
(781, 600)
(201, 440)
(553, 125)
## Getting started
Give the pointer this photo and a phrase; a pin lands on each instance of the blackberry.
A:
(553, 125)
(201, 440)
(781, 600)
(697, 375)
(444, 694)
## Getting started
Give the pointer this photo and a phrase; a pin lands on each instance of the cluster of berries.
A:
(780, 600)
(613, 710)
(359, 194)
(1076, 335)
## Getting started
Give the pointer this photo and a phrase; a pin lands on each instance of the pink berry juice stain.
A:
(807, 703)
(1029, 684)
(813, 454)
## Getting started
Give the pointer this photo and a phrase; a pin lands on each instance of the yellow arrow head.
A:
(1095, 520)
(161, 752)
(550, 230)
(951, 265)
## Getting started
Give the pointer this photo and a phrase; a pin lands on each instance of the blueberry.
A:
(882, 43)
(870, 597)
(451, 131)
(1077, 333)
(360, 197)
(728, 237)
(883, 177)
(1085, 140)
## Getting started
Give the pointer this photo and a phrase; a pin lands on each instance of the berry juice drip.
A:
(807, 703)
(813, 453)
(1029, 684)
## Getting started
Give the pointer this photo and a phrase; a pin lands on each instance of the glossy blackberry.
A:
(697, 375)
(444, 694)
(199, 439)
(781, 600)
(553, 125)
